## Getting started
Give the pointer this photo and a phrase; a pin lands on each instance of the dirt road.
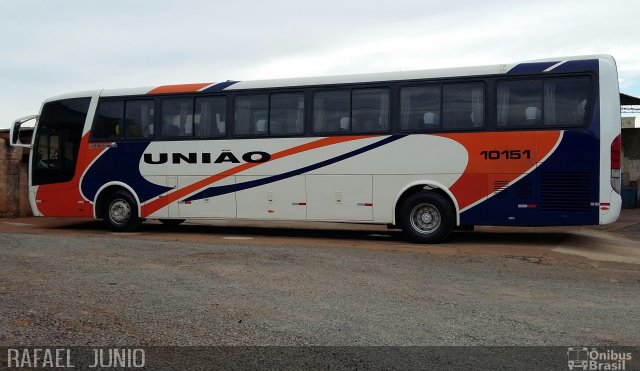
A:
(70, 282)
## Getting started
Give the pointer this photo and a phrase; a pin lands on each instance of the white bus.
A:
(524, 144)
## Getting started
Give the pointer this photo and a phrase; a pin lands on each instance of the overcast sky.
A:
(54, 47)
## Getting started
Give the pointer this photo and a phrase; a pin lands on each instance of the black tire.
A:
(121, 212)
(426, 217)
(172, 222)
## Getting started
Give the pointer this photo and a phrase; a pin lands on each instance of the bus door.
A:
(55, 154)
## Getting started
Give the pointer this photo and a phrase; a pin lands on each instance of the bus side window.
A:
(177, 117)
(463, 106)
(250, 110)
(519, 103)
(139, 115)
(210, 117)
(286, 114)
(107, 124)
(370, 110)
(565, 100)
(329, 109)
(420, 108)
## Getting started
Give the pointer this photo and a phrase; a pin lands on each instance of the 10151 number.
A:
(513, 154)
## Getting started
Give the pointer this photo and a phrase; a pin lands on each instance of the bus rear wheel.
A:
(426, 217)
(121, 212)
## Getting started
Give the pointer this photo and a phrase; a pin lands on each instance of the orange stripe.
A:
(182, 88)
(163, 201)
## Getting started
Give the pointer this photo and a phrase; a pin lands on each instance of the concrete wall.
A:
(14, 189)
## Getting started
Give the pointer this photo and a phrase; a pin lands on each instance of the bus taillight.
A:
(616, 163)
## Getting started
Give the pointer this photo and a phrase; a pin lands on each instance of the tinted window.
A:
(565, 101)
(210, 117)
(108, 121)
(543, 102)
(57, 142)
(177, 117)
(420, 108)
(251, 115)
(47, 148)
(519, 103)
(286, 115)
(356, 111)
(463, 106)
(331, 111)
(139, 119)
(370, 110)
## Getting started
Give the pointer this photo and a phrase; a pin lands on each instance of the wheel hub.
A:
(425, 218)
(119, 211)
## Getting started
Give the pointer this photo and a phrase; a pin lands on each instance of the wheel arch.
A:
(108, 189)
(419, 186)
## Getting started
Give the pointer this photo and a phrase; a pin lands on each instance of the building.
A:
(14, 189)
(631, 148)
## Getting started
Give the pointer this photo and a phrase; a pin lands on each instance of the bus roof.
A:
(231, 85)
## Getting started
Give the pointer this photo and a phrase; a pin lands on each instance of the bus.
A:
(535, 143)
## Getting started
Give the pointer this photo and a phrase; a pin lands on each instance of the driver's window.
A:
(48, 149)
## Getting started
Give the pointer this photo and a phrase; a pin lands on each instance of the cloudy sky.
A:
(54, 47)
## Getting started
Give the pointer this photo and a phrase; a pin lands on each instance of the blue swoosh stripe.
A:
(221, 190)
(530, 68)
(219, 86)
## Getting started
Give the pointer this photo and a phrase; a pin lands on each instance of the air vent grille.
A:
(565, 191)
(522, 189)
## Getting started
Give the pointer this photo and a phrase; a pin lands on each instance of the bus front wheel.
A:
(427, 217)
(121, 212)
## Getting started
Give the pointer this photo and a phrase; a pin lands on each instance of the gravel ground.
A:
(105, 290)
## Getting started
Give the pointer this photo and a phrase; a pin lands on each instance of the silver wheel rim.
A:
(119, 211)
(425, 218)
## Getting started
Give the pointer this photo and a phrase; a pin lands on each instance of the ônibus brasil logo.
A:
(583, 358)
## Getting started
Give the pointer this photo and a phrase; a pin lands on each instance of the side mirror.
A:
(14, 134)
